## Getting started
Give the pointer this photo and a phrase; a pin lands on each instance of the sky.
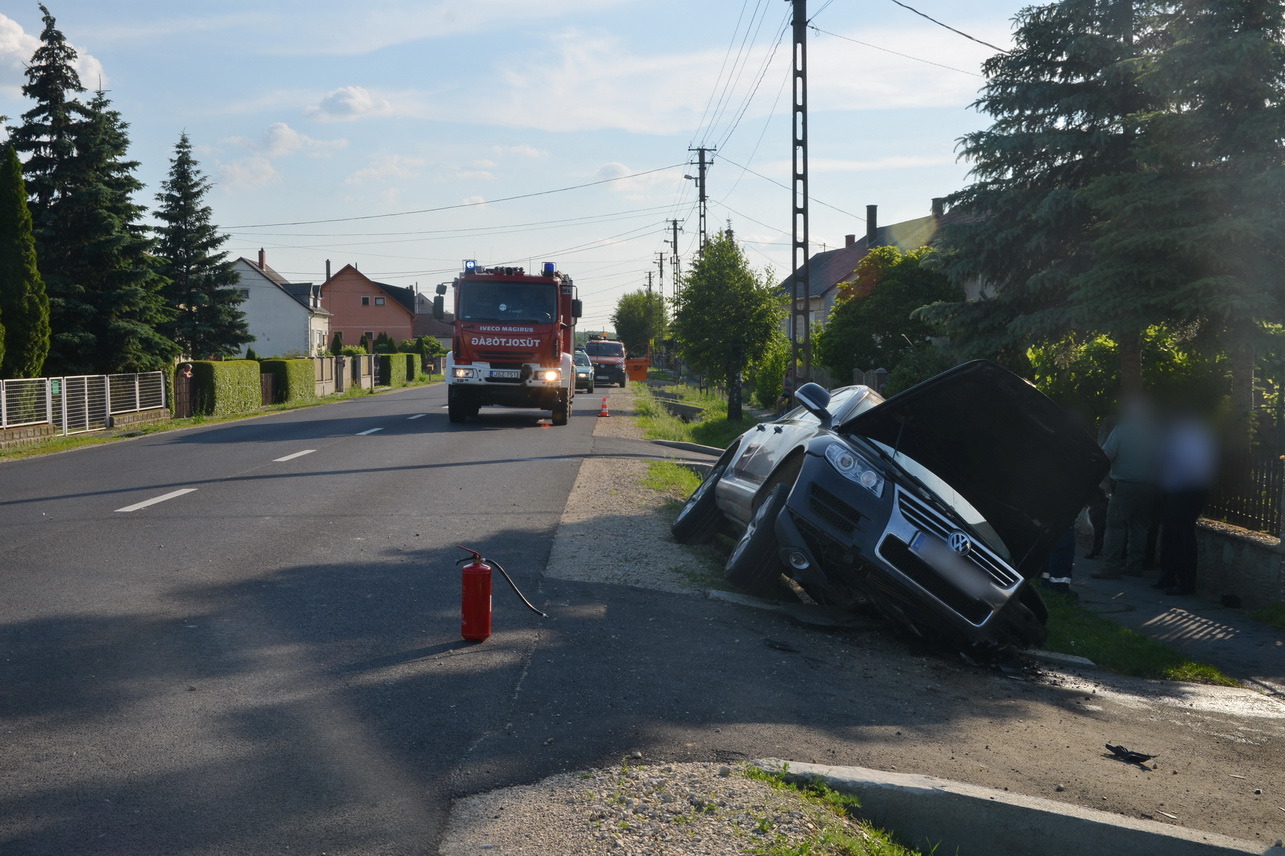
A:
(404, 136)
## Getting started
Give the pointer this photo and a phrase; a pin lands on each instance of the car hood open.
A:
(1018, 458)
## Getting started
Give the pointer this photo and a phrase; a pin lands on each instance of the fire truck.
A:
(514, 334)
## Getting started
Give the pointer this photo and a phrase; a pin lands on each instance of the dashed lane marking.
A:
(416, 416)
(371, 431)
(145, 503)
(292, 457)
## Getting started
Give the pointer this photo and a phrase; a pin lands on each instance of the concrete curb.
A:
(712, 451)
(942, 816)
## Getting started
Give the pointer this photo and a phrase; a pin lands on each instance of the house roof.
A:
(300, 292)
(404, 296)
(827, 269)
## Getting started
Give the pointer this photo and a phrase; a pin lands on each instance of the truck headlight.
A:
(463, 373)
(854, 468)
(550, 375)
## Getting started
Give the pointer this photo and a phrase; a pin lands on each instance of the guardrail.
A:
(78, 403)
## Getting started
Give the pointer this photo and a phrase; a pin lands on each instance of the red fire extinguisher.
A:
(475, 597)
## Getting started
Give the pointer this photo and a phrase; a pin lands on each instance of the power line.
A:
(786, 187)
(462, 205)
(948, 27)
(817, 29)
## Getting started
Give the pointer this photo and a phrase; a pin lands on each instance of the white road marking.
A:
(416, 416)
(295, 455)
(171, 495)
(371, 431)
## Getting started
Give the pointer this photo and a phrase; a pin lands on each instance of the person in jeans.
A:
(1133, 448)
(1187, 462)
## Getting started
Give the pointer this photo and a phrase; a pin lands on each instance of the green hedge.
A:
(225, 387)
(390, 369)
(295, 379)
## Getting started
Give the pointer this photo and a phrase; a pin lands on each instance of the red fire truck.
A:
(514, 333)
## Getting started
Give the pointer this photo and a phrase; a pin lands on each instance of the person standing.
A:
(1133, 448)
(1187, 463)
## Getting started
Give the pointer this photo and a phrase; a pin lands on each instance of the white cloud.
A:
(280, 140)
(473, 200)
(474, 175)
(252, 171)
(521, 150)
(349, 103)
(389, 168)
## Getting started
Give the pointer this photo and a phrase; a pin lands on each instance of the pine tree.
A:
(47, 136)
(724, 316)
(201, 281)
(112, 258)
(1060, 101)
(24, 306)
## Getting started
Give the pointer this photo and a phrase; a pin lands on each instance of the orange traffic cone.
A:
(603, 411)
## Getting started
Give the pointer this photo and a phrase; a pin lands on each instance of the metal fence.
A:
(80, 403)
(1249, 492)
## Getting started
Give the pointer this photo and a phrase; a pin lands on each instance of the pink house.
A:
(359, 306)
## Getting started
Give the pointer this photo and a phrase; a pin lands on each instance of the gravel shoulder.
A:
(1040, 731)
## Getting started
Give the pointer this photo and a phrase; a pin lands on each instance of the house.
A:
(426, 325)
(285, 318)
(826, 270)
(359, 306)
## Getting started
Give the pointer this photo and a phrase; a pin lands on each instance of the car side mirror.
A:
(814, 397)
(439, 307)
(577, 309)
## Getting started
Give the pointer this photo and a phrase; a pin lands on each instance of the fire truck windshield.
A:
(509, 302)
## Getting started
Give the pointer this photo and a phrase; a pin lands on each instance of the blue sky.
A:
(392, 121)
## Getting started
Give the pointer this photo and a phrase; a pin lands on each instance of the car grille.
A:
(924, 518)
(900, 556)
(832, 510)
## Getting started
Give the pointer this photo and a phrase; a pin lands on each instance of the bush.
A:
(769, 372)
(390, 369)
(225, 387)
(295, 379)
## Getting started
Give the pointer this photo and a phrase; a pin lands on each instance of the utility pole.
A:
(674, 246)
(800, 326)
(702, 165)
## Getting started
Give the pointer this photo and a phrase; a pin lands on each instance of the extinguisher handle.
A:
(475, 557)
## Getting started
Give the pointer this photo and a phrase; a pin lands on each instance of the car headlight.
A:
(550, 376)
(462, 372)
(854, 468)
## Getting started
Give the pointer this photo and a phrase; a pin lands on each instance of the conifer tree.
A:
(201, 282)
(24, 306)
(47, 137)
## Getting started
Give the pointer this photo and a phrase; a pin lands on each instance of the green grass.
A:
(839, 829)
(1076, 630)
(1273, 615)
(672, 479)
(97, 438)
(713, 428)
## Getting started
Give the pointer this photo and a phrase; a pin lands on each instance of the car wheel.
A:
(754, 564)
(590, 389)
(560, 409)
(456, 409)
(623, 380)
(698, 519)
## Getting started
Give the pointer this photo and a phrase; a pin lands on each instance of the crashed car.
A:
(936, 506)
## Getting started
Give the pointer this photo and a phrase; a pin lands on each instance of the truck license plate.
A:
(505, 373)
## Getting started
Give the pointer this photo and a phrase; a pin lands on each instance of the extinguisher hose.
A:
(500, 568)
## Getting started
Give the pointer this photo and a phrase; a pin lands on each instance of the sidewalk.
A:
(1203, 630)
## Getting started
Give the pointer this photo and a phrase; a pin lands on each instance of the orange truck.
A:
(514, 334)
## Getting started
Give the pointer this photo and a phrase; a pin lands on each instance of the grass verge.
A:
(712, 429)
(1076, 630)
(839, 829)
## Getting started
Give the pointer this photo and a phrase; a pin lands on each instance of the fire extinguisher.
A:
(475, 595)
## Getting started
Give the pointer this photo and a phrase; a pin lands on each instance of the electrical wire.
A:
(812, 199)
(948, 27)
(817, 29)
(461, 205)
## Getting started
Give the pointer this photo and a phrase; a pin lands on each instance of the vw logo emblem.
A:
(959, 542)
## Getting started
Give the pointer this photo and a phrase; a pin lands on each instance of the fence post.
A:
(1281, 509)
(4, 407)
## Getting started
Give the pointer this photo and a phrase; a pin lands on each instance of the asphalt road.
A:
(269, 661)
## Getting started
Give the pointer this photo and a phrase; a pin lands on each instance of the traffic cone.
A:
(603, 411)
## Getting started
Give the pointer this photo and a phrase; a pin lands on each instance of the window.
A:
(245, 293)
(379, 301)
(365, 301)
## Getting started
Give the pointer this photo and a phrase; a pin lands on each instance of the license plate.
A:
(505, 373)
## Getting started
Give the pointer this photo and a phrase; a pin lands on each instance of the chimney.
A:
(263, 259)
(872, 226)
(849, 240)
(939, 207)
(327, 270)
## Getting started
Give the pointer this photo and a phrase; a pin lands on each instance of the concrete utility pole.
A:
(702, 165)
(800, 326)
(673, 245)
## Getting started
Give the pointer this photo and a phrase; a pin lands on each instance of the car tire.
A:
(561, 408)
(623, 380)
(457, 410)
(590, 389)
(699, 518)
(754, 564)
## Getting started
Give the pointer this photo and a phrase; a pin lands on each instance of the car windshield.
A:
(581, 359)
(605, 349)
(948, 495)
(508, 302)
